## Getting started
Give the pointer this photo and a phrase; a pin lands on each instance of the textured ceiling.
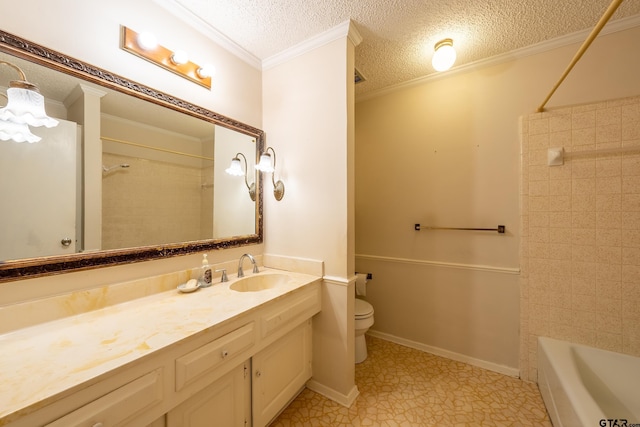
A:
(399, 35)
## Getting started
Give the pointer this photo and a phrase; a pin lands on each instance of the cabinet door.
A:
(280, 371)
(224, 403)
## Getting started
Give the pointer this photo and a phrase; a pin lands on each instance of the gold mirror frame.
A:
(44, 266)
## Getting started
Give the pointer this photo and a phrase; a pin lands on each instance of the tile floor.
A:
(400, 386)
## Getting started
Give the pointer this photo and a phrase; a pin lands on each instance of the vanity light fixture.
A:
(444, 55)
(25, 107)
(266, 165)
(235, 169)
(144, 46)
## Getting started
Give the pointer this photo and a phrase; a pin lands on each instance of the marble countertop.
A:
(39, 362)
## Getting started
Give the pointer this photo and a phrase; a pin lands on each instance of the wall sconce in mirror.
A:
(235, 169)
(25, 107)
(266, 165)
(444, 55)
(145, 46)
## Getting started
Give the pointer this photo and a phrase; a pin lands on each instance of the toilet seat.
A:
(363, 309)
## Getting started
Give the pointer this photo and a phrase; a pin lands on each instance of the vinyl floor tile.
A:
(401, 386)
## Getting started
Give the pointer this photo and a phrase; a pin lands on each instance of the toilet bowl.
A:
(364, 320)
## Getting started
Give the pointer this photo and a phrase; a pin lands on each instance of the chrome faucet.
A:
(253, 261)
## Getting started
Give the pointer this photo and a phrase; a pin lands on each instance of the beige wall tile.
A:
(609, 219)
(609, 255)
(583, 253)
(584, 202)
(583, 219)
(583, 169)
(559, 203)
(585, 285)
(560, 300)
(631, 256)
(559, 172)
(581, 120)
(560, 284)
(583, 137)
(560, 219)
(631, 184)
(630, 202)
(631, 239)
(609, 167)
(560, 235)
(586, 222)
(609, 341)
(538, 126)
(584, 336)
(609, 272)
(560, 139)
(631, 165)
(560, 122)
(608, 202)
(609, 185)
(608, 237)
(608, 290)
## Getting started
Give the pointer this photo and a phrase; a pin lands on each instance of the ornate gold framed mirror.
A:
(201, 142)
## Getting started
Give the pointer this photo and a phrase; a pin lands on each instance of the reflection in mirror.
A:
(129, 174)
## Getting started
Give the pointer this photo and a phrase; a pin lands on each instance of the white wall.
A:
(446, 153)
(307, 105)
(90, 31)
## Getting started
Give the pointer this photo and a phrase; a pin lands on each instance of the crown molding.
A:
(216, 36)
(344, 29)
(576, 37)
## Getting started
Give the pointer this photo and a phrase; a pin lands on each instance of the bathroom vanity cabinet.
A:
(240, 372)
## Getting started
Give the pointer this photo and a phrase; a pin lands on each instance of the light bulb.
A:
(235, 168)
(179, 57)
(444, 56)
(147, 41)
(206, 71)
(265, 163)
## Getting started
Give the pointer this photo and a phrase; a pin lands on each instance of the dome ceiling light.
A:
(444, 56)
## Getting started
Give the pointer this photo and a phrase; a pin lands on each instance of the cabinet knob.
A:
(258, 374)
(224, 353)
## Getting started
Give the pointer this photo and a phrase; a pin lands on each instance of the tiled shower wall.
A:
(154, 202)
(580, 250)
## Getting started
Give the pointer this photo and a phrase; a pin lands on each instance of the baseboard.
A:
(343, 399)
(501, 369)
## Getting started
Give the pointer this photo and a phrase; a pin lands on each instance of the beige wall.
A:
(581, 229)
(91, 32)
(446, 153)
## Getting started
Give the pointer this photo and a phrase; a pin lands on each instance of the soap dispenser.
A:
(205, 278)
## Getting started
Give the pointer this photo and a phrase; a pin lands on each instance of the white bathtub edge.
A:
(555, 363)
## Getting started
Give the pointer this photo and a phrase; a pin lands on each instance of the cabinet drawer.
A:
(301, 308)
(212, 355)
(117, 406)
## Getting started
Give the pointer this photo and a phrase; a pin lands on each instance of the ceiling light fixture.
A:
(144, 45)
(444, 56)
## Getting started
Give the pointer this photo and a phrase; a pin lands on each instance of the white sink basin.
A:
(259, 282)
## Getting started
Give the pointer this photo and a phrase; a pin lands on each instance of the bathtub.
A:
(585, 386)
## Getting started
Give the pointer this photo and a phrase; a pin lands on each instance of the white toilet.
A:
(364, 320)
